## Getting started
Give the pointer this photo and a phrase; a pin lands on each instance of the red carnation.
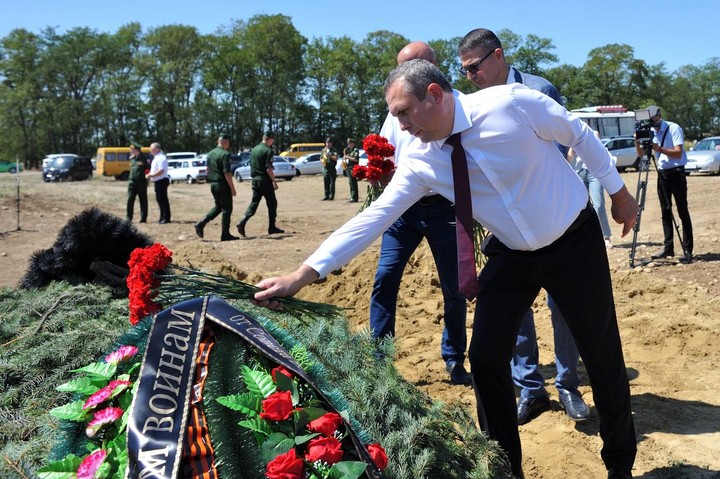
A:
(285, 466)
(142, 283)
(326, 424)
(325, 449)
(277, 407)
(378, 455)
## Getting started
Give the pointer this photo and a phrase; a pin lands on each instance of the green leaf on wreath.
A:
(246, 403)
(299, 440)
(275, 445)
(258, 382)
(104, 470)
(347, 470)
(134, 367)
(101, 370)
(305, 415)
(283, 382)
(63, 469)
(84, 385)
(257, 424)
(71, 412)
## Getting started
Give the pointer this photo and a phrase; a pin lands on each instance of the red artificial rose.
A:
(325, 449)
(378, 455)
(326, 424)
(277, 407)
(281, 370)
(285, 466)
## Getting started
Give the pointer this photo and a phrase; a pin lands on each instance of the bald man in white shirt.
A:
(545, 235)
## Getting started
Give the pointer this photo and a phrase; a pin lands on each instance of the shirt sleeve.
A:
(553, 122)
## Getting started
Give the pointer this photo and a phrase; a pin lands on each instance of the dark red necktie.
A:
(467, 275)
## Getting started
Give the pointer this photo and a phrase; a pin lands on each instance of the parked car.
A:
(623, 148)
(69, 168)
(191, 171)
(10, 166)
(308, 165)
(241, 159)
(284, 169)
(181, 155)
(49, 158)
(704, 157)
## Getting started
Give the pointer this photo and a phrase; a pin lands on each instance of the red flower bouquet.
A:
(379, 168)
(298, 437)
(155, 282)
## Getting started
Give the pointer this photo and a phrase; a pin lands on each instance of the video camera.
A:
(643, 129)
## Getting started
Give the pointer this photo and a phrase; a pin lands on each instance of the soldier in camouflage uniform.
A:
(221, 187)
(351, 158)
(137, 184)
(329, 158)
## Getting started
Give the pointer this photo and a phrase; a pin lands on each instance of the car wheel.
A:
(12, 170)
(288, 178)
(297, 172)
(190, 180)
(238, 177)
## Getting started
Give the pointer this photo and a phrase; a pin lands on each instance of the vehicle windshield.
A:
(708, 144)
(61, 161)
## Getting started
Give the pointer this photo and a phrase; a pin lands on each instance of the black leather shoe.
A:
(615, 474)
(228, 237)
(574, 406)
(163, 222)
(199, 229)
(663, 254)
(241, 229)
(144, 220)
(687, 259)
(325, 199)
(458, 374)
(275, 229)
(528, 408)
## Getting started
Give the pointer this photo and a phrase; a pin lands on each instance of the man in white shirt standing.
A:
(161, 180)
(545, 235)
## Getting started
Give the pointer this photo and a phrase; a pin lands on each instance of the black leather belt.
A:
(431, 200)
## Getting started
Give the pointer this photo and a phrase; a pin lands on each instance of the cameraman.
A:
(671, 159)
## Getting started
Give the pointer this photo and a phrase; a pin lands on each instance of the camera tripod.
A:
(643, 163)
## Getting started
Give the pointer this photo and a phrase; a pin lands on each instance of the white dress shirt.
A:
(159, 162)
(523, 190)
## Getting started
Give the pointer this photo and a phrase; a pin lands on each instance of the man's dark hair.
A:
(418, 75)
(479, 39)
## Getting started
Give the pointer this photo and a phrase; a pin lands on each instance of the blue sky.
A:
(677, 33)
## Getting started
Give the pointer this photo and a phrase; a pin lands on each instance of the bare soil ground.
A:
(669, 313)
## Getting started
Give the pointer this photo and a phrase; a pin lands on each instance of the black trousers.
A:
(161, 195)
(136, 188)
(574, 270)
(673, 184)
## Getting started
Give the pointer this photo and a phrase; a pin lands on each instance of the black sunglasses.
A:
(475, 66)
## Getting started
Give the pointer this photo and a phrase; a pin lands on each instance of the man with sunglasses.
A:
(483, 63)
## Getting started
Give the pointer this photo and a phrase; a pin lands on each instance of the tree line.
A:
(76, 91)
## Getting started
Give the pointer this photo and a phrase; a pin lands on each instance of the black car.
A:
(67, 168)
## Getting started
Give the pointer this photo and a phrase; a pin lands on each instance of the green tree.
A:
(275, 76)
(170, 64)
(21, 53)
(377, 56)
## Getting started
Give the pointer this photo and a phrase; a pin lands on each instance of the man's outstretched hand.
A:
(282, 286)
